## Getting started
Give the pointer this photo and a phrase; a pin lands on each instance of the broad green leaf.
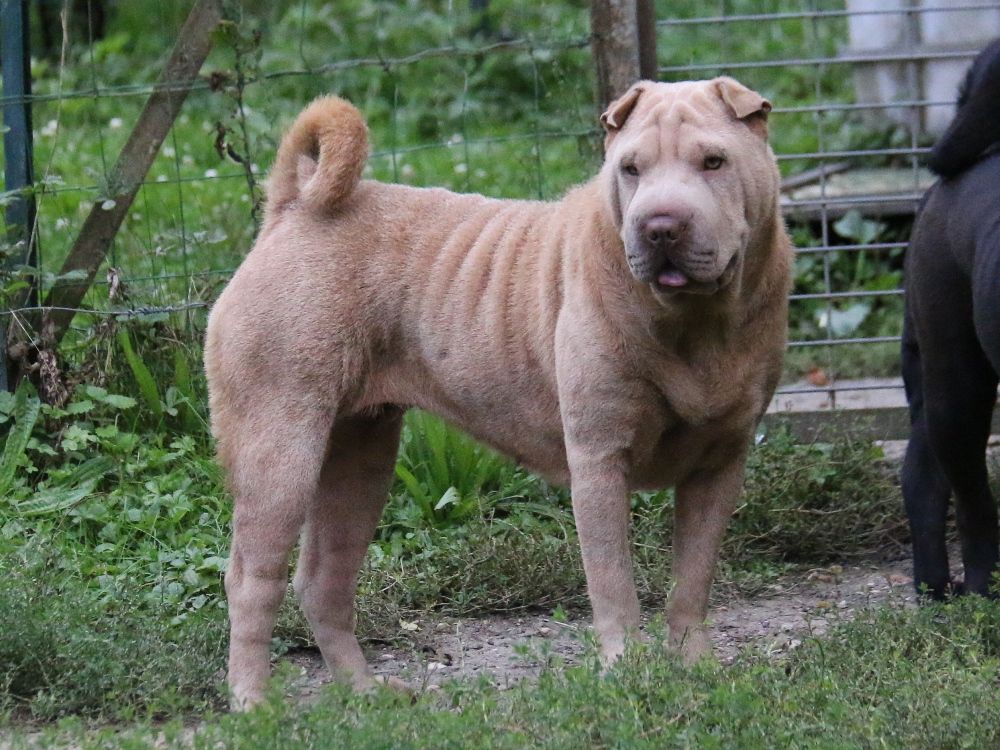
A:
(80, 407)
(7, 401)
(119, 402)
(26, 408)
(106, 431)
(143, 377)
(95, 392)
(450, 497)
(844, 322)
(79, 485)
(415, 489)
(853, 226)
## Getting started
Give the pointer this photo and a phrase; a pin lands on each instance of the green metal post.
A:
(15, 60)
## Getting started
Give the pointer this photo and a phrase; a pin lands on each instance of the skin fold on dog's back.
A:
(525, 323)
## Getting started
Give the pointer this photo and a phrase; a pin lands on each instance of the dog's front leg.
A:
(601, 507)
(704, 504)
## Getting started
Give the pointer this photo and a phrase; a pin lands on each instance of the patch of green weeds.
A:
(67, 648)
(816, 503)
(120, 507)
(445, 477)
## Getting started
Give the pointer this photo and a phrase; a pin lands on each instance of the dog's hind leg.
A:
(981, 553)
(273, 463)
(341, 521)
(925, 487)
(960, 390)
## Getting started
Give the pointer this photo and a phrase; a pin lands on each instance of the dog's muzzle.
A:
(665, 255)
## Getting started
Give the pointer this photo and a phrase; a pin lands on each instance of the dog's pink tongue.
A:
(672, 277)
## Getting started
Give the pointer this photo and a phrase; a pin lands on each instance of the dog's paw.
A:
(245, 700)
(392, 683)
(693, 645)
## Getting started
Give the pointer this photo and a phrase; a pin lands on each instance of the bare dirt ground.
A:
(510, 648)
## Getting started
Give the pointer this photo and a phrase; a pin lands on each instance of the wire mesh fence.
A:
(497, 98)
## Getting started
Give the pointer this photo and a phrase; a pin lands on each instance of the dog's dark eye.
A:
(714, 161)
(630, 169)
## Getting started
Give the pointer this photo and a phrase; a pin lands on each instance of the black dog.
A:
(951, 340)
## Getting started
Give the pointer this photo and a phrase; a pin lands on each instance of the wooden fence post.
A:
(646, 26)
(136, 157)
(623, 39)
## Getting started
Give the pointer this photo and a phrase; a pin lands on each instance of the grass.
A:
(892, 678)
(69, 649)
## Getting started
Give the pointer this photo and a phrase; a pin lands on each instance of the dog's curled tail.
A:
(320, 158)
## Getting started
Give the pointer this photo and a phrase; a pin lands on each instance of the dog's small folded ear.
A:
(618, 111)
(745, 104)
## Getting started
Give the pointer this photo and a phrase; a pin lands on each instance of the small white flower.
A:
(456, 138)
(168, 151)
(136, 216)
(50, 128)
(211, 173)
(187, 159)
(62, 222)
(255, 168)
(480, 173)
(244, 198)
(108, 204)
(115, 122)
(407, 170)
(461, 168)
(161, 178)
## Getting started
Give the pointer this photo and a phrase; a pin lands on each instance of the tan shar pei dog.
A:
(627, 336)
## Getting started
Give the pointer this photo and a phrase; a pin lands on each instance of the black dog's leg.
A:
(960, 391)
(982, 555)
(925, 487)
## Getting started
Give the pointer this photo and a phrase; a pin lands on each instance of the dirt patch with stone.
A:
(506, 649)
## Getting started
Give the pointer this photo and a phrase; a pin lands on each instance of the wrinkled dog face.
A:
(687, 170)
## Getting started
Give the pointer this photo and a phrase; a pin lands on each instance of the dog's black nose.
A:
(664, 230)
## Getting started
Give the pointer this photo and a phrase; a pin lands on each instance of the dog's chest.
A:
(698, 413)
(724, 389)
